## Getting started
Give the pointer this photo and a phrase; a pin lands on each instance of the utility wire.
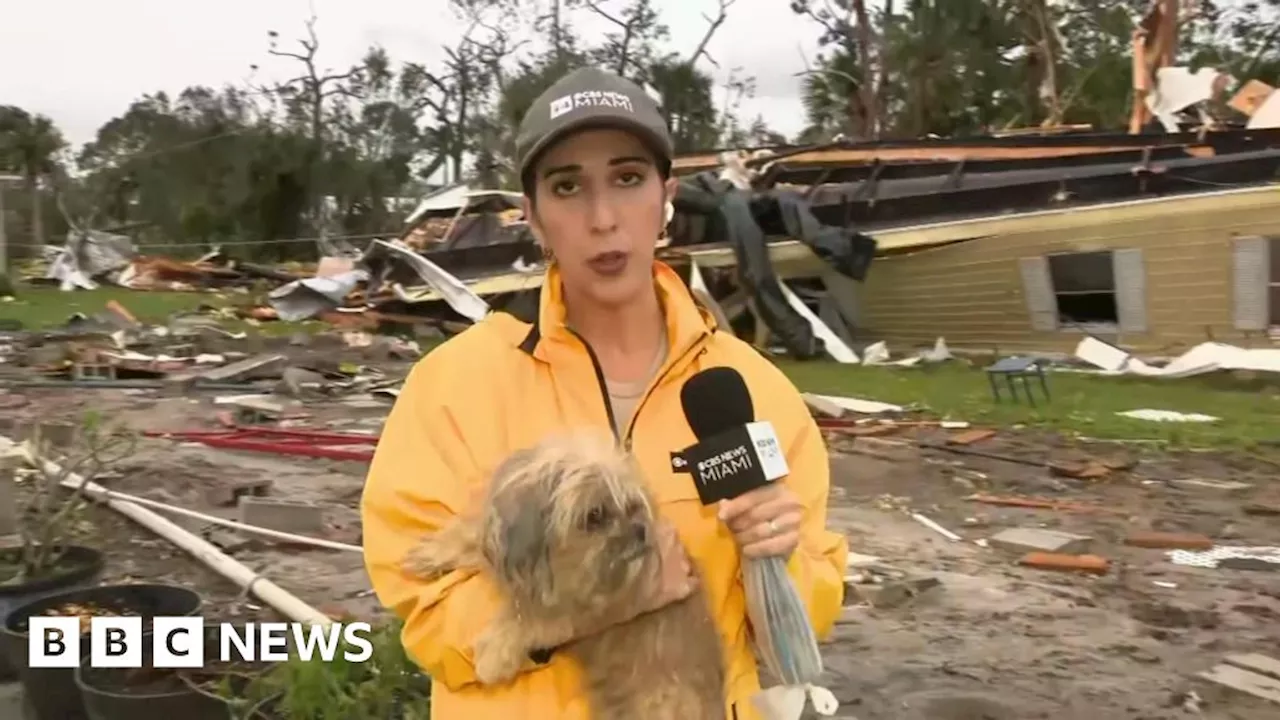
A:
(231, 243)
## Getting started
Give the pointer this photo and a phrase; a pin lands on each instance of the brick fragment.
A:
(1055, 561)
(1169, 540)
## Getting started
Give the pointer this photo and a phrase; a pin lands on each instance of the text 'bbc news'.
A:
(188, 642)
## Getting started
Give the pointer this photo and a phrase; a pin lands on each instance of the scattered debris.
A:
(894, 593)
(1093, 564)
(310, 443)
(1028, 540)
(1231, 557)
(936, 527)
(970, 437)
(1168, 541)
(282, 515)
(1166, 416)
(1264, 509)
(835, 406)
(1225, 485)
(1041, 504)
(1202, 359)
(1252, 678)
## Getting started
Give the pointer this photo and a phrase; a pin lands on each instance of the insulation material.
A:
(1178, 88)
(1215, 557)
(1166, 416)
(1204, 358)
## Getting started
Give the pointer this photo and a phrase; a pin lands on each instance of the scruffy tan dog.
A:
(568, 532)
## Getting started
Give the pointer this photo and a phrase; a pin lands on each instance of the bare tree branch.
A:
(701, 49)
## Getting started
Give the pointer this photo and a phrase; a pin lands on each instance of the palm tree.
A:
(30, 144)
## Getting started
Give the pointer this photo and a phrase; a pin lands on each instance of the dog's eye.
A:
(595, 518)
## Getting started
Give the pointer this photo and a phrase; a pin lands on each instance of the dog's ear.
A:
(521, 554)
(517, 540)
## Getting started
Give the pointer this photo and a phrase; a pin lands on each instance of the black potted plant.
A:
(51, 692)
(40, 559)
(388, 685)
(46, 528)
(205, 693)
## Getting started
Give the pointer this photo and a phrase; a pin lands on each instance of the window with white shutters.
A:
(1101, 291)
(1273, 281)
(1253, 281)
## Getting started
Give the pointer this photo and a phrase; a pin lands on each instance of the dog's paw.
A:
(499, 657)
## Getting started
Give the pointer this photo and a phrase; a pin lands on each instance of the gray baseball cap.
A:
(585, 98)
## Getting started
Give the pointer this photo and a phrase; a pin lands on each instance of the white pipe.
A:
(230, 568)
(224, 522)
(936, 527)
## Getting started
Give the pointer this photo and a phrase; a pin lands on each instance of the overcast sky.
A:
(82, 61)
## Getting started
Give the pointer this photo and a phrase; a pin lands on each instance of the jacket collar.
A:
(687, 321)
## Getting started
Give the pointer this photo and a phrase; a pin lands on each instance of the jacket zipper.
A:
(631, 424)
(625, 440)
(604, 386)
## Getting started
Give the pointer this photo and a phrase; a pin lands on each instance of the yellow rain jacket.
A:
(503, 385)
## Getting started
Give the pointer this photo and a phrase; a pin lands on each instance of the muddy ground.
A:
(993, 641)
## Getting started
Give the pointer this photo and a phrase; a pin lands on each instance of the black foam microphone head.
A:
(716, 400)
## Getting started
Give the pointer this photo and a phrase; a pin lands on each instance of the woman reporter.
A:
(614, 337)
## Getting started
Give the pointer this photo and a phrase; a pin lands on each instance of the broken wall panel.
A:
(975, 293)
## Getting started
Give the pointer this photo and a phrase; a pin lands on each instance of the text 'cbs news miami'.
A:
(189, 642)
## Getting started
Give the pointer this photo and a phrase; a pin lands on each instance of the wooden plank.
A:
(1257, 663)
(242, 368)
(1242, 683)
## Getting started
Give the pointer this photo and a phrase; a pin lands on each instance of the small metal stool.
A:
(1014, 369)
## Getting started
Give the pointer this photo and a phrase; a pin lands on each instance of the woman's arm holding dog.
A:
(423, 473)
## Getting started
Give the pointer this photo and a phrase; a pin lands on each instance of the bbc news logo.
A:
(180, 642)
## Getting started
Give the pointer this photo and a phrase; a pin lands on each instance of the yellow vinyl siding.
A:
(971, 292)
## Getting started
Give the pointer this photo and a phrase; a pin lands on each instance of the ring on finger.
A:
(773, 527)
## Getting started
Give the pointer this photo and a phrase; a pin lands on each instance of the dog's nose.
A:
(641, 532)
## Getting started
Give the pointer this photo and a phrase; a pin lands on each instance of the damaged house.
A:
(1150, 275)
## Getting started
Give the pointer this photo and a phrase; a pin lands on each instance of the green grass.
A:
(47, 308)
(1084, 405)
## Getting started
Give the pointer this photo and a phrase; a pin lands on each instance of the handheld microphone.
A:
(734, 453)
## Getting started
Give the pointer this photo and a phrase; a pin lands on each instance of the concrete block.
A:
(57, 435)
(1025, 540)
(227, 493)
(895, 593)
(282, 515)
